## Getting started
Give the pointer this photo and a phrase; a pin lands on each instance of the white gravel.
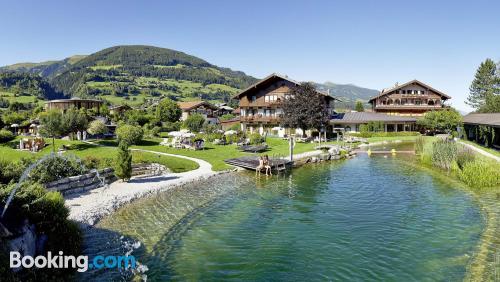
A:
(90, 206)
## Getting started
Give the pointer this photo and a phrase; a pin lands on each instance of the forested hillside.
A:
(137, 72)
(348, 93)
(138, 75)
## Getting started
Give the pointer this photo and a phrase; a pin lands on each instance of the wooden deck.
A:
(251, 162)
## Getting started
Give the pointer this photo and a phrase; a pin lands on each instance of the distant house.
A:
(473, 122)
(224, 109)
(413, 98)
(260, 104)
(351, 122)
(65, 104)
(207, 110)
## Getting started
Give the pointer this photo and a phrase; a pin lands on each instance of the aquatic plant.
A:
(419, 145)
(444, 153)
(480, 174)
(464, 156)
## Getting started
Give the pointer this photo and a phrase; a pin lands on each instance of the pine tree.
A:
(485, 83)
(123, 169)
(359, 107)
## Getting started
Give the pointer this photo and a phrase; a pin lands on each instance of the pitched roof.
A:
(274, 76)
(364, 117)
(186, 106)
(399, 86)
(492, 119)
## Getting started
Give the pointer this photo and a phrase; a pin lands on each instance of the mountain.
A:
(348, 93)
(47, 69)
(136, 74)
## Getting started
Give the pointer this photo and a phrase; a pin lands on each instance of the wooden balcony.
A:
(261, 104)
(409, 106)
(259, 118)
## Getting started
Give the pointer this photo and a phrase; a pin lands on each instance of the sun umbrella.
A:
(230, 132)
(14, 125)
(188, 135)
(276, 128)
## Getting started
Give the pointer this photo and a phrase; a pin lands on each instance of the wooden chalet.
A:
(260, 104)
(207, 110)
(413, 98)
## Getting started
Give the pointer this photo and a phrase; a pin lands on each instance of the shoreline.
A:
(89, 207)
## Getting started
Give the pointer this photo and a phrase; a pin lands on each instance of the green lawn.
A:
(84, 150)
(216, 154)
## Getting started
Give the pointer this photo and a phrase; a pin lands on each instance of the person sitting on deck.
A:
(267, 165)
(260, 166)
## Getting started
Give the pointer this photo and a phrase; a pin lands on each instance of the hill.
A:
(136, 73)
(47, 69)
(25, 88)
(349, 93)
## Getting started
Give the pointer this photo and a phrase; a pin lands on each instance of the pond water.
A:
(368, 218)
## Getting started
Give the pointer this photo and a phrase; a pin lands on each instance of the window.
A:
(403, 92)
(254, 98)
(397, 91)
(266, 99)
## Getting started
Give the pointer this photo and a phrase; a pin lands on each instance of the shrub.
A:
(480, 174)
(256, 138)
(56, 167)
(171, 126)
(194, 122)
(123, 167)
(6, 135)
(46, 210)
(129, 134)
(97, 127)
(464, 156)
(11, 171)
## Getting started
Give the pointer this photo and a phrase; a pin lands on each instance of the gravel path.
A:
(90, 206)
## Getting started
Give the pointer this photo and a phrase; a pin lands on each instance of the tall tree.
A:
(52, 125)
(304, 108)
(168, 111)
(123, 168)
(485, 83)
(359, 106)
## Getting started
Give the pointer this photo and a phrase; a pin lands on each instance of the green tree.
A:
(75, 120)
(129, 134)
(97, 127)
(486, 83)
(194, 122)
(359, 107)
(168, 111)
(305, 108)
(446, 120)
(492, 104)
(52, 125)
(123, 168)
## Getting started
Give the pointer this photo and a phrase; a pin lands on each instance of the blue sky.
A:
(368, 43)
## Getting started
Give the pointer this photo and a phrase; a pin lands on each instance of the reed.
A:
(480, 174)
(444, 153)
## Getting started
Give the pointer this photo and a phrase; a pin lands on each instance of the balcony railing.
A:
(259, 118)
(408, 106)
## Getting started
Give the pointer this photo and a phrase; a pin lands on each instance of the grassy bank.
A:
(475, 170)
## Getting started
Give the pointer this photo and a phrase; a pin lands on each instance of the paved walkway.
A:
(90, 206)
(480, 151)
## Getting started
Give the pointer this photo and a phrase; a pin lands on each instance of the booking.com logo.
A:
(81, 263)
